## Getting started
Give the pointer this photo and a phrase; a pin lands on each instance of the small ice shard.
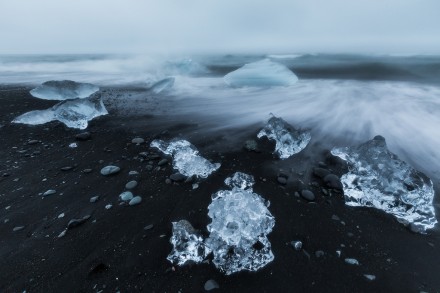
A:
(36, 117)
(187, 244)
(162, 85)
(352, 261)
(126, 196)
(239, 228)
(370, 277)
(240, 180)
(288, 140)
(378, 178)
(186, 158)
(63, 90)
(262, 73)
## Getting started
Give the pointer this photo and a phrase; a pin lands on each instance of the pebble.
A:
(83, 136)
(32, 141)
(126, 196)
(177, 177)
(132, 184)
(63, 233)
(49, 192)
(61, 216)
(18, 228)
(333, 181)
(137, 140)
(296, 244)
(251, 145)
(211, 285)
(308, 195)
(351, 261)
(282, 180)
(168, 181)
(319, 253)
(109, 206)
(76, 222)
(149, 227)
(87, 171)
(67, 168)
(162, 162)
(73, 145)
(109, 170)
(195, 186)
(370, 277)
(135, 201)
(149, 167)
(335, 217)
(131, 173)
(94, 199)
(320, 172)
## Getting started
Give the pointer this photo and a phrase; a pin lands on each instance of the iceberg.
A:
(73, 113)
(378, 178)
(261, 73)
(288, 140)
(162, 85)
(239, 227)
(186, 158)
(63, 90)
(188, 245)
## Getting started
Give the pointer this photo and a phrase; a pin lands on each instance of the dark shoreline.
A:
(117, 252)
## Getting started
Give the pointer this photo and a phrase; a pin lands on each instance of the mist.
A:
(200, 26)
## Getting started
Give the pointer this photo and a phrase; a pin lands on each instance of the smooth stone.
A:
(335, 218)
(149, 227)
(251, 145)
(18, 228)
(211, 285)
(49, 192)
(352, 261)
(168, 181)
(132, 173)
(282, 180)
(308, 195)
(87, 171)
(109, 170)
(94, 199)
(137, 140)
(132, 184)
(296, 244)
(320, 172)
(126, 196)
(370, 277)
(162, 162)
(76, 222)
(83, 136)
(333, 181)
(67, 168)
(33, 141)
(109, 206)
(319, 253)
(177, 177)
(149, 168)
(135, 201)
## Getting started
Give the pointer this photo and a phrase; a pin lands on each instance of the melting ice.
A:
(378, 178)
(162, 85)
(186, 158)
(63, 90)
(288, 140)
(261, 73)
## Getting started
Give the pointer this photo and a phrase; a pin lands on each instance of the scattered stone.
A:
(135, 201)
(319, 253)
(162, 162)
(83, 136)
(308, 195)
(18, 228)
(324, 191)
(109, 206)
(66, 168)
(168, 181)
(251, 145)
(177, 177)
(87, 171)
(189, 179)
(333, 181)
(149, 227)
(94, 199)
(132, 184)
(33, 141)
(6, 174)
(335, 217)
(76, 222)
(49, 192)
(132, 173)
(109, 170)
(126, 196)
(211, 285)
(149, 167)
(351, 261)
(296, 244)
(320, 172)
(370, 277)
(282, 180)
(296, 194)
(137, 140)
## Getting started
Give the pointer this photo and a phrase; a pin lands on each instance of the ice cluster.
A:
(64, 90)
(73, 113)
(238, 231)
(262, 73)
(378, 178)
(186, 158)
(162, 85)
(288, 140)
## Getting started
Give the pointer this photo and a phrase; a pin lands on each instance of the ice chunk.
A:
(186, 158)
(36, 117)
(63, 90)
(162, 85)
(378, 178)
(288, 140)
(261, 73)
(239, 227)
(73, 113)
(187, 244)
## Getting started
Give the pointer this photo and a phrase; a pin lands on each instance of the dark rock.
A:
(18, 228)
(87, 171)
(149, 227)
(320, 172)
(32, 142)
(251, 145)
(83, 136)
(333, 181)
(168, 181)
(319, 253)
(282, 180)
(162, 162)
(177, 177)
(308, 195)
(77, 222)
(66, 168)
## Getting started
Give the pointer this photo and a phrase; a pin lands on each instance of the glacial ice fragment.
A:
(187, 244)
(35, 117)
(63, 90)
(162, 85)
(261, 73)
(239, 227)
(378, 178)
(288, 140)
(186, 158)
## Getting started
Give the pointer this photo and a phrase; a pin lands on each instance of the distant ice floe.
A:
(238, 231)
(162, 85)
(262, 74)
(378, 178)
(288, 140)
(186, 158)
(73, 113)
(64, 90)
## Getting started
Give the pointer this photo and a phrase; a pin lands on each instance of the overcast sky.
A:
(214, 26)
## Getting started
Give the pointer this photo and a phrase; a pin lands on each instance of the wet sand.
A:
(112, 251)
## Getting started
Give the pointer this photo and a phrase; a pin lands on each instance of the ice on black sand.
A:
(63, 90)
(109, 170)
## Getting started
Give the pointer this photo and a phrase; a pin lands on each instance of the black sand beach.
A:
(112, 251)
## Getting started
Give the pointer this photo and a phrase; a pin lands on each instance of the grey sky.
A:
(172, 26)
